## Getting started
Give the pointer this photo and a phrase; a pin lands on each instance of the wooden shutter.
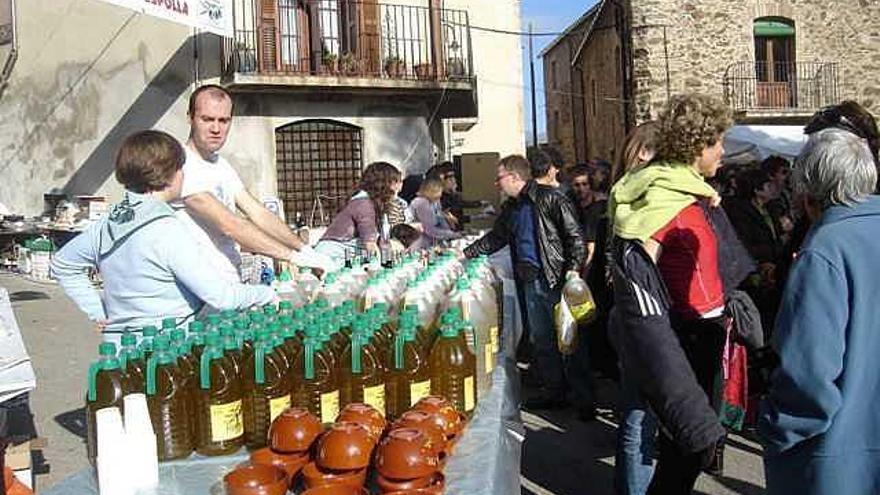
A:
(369, 39)
(269, 52)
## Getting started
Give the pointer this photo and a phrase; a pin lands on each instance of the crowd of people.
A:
(695, 269)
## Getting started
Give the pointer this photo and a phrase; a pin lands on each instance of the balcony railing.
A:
(781, 86)
(348, 38)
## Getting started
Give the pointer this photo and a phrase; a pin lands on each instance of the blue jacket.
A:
(150, 266)
(821, 421)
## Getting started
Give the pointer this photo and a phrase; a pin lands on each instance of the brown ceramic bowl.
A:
(294, 430)
(290, 463)
(405, 454)
(315, 476)
(388, 485)
(256, 479)
(336, 490)
(420, 491)
(345, 446)
(423, 422)
(445, 414)
(366, 415)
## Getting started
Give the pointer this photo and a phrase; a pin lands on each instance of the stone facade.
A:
(689, 46)
(563, 94)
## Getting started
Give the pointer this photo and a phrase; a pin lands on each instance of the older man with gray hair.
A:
(820, 421)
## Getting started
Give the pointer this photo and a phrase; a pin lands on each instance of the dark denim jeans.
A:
(554, 369)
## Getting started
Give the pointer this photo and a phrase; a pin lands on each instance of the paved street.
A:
(561, 455)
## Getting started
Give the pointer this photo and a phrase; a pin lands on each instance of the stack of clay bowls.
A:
(291, 437)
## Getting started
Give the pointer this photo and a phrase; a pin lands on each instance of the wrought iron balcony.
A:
(785, 88)
(349, 39)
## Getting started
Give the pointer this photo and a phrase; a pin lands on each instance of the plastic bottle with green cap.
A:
(168, 399)
(231, 349)
(106, 387)
(408, 378)
(266, 393)
(213, 322)
(169, 324)
(196, 338)
(361, 374)
(177, 336)
(453, 369)
(146, 345)
(318, 391)
(285, 307)
(220, 417)
(189, 364)
(131, 362)
(292, 347)
(228, 314)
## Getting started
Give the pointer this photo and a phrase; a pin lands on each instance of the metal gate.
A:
(319, 164)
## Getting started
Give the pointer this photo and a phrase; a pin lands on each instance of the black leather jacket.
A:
(560, 242)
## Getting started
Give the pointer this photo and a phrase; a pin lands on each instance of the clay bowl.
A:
(290, 463)
(366, 415)
(346, 446)
(294, 430)
(336, 490)
(405, 454)
(424, 422)
(256, 479)
(388, 485)
(420, 491)
(444, 414)
(314, 476)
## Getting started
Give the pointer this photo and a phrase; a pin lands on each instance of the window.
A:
(775, 66)
(318, 164)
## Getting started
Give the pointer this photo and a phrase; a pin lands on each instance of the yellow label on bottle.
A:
(277, 406)
(329, 406)
(418, 390)
(490, 357)
(469, 394)
(375, 396)
(493, 338)
(227, 422)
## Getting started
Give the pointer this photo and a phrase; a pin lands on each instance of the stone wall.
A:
(559, 95)
(698, 40)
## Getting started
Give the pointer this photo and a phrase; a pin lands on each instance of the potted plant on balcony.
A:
(395, 67)
(454, 64)
(349, 64)
(424, 71)
(329, 62)
(243, 58)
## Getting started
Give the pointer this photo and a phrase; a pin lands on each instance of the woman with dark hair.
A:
(357, 227)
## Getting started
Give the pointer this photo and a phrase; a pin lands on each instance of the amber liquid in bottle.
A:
(220, 416)
(168, 400)
(407, 379)
(362, 375)
(453, 370)
(107, 385)
(266, 395)
(318, 391)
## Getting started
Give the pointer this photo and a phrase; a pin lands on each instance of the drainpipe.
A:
(9, 64)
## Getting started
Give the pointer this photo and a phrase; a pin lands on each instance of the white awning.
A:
(745, 143)
(214, 16)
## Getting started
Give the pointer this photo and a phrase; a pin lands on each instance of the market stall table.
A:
(486, 459)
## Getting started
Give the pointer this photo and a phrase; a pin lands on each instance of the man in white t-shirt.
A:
(212, 192)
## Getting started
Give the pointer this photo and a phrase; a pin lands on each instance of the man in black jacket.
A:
(541, 227)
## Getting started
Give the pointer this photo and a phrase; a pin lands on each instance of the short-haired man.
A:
(452, 201)
(212, 191)
(541, 228)
(545, 169)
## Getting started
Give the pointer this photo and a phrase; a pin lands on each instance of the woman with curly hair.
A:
(356, 227)
(664, 208)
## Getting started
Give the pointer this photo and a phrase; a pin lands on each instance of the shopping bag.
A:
(566, 328)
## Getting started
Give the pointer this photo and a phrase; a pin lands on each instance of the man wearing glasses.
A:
(541, 227)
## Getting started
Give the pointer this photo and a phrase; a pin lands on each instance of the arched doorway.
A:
(318, 164)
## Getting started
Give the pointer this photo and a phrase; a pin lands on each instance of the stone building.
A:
(774, 62)
(322, 88)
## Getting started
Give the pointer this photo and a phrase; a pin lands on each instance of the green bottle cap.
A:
(270, 309)
(178, 335)
(285, 276)
(285, 320)
(107, 361)
(213, 339)
(196, 327)
(226, 329)
(228, 314)
(322, 304)
(128, 339)
(169, 324)
(257, 318)
(463, 284)
(149, 331)
(285, 306)
(196, 339)
(213, 319)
